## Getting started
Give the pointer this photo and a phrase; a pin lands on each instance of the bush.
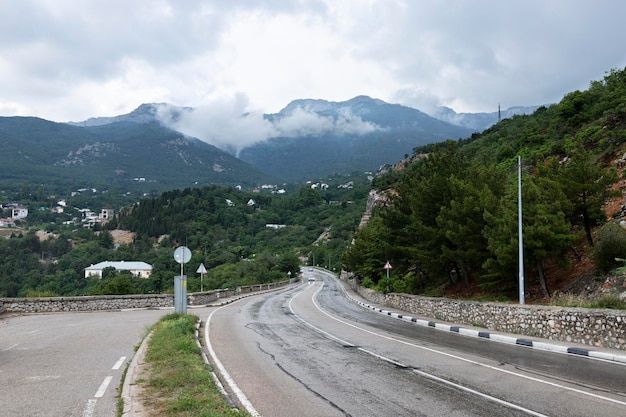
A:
(610, 244)
(604, 301)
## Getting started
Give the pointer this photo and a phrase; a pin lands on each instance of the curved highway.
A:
(305, 351)
(309, 351)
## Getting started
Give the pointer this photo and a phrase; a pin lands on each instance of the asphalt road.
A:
(307, 351)
(67, 364)
(304, 351)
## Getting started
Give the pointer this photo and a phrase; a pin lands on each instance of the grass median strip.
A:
(179, 383)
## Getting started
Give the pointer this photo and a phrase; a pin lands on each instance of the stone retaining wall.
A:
(119, 302)
(89, 303)
(591, 327)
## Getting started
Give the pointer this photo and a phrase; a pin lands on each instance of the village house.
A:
(137, 268)
(18, 211)
(275, 226)
(106, 214)
(90, 218)
(7, 223)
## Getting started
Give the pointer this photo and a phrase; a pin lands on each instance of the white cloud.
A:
(74, 59)
(302, 122)
(231, 125)
(226, 124)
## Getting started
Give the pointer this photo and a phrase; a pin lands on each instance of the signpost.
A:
(388, 267)
(201, 270)
(182, 255)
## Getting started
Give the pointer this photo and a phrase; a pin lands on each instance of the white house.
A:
(275, 226)
(19, 212)
(140, 269)
(106, 214)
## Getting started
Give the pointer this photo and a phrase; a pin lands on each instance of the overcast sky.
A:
(66, 60)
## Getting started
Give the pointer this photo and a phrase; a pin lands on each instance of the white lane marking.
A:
(91, 403)
(389, 360)
(229, 380)
(119, 363)
(90, 408)
(43, 377)
(10, 347)
(103, 387)
(553, 384)
(480, 394)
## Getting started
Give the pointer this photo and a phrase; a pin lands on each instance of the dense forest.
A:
(451, 212)
(226, 229)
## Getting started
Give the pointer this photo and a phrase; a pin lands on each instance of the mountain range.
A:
(154, 148)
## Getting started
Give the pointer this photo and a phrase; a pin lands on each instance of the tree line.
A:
(225, 228)
(451, 216)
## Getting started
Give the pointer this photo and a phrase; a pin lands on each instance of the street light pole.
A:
(519, 230)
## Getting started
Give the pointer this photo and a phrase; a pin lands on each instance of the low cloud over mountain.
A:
(324, 137)
(230, 126)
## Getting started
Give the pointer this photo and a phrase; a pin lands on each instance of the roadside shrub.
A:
(610, 244)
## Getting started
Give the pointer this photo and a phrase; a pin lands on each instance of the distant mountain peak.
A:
(362, 99)
(323, 106)
(479, 121)
(306, 104)
(145, 113)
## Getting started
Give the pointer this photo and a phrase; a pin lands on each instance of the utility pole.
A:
(519, 230)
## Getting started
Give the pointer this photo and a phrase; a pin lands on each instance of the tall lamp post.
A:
(519, 230)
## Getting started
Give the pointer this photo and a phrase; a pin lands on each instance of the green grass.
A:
(608, 301)
(180, 383)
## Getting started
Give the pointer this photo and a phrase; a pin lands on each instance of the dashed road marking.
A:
(91, 403)
(119, 363)
(103, 387)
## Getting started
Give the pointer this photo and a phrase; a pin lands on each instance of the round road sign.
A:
(182, 254)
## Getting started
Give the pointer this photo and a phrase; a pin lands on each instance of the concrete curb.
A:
(133, 407)
(497, 337)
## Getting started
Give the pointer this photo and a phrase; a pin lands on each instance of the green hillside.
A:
(241, 237)
(451, 219)
(146, 157)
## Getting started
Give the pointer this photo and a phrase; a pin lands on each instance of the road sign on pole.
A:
(182, 255)
(180, 294)
(201, 270)
(388, 267)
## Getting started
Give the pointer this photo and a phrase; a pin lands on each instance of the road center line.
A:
(314, 300)
(388, 360)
